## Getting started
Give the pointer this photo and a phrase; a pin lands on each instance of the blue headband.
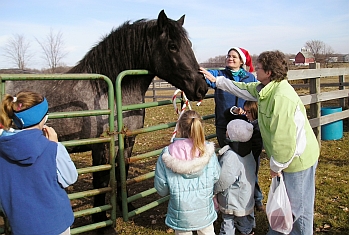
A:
(32, 116)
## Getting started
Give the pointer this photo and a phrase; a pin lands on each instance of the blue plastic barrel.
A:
(333, 130)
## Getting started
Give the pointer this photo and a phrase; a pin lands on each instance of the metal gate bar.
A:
(122, 132)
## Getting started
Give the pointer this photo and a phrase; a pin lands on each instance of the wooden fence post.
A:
(315, 109)
(341, 87)
(154, 91)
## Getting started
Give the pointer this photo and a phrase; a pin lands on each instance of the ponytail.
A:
(197, 135)
(190, 126)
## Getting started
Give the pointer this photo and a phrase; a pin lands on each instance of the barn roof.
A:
(307, 54)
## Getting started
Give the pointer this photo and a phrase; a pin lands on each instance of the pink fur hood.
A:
(179, 159)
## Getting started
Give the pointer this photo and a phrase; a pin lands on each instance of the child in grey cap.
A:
(235, 187)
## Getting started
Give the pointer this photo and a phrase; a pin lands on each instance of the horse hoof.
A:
(99, 217)
(109, 231)
(130, 207)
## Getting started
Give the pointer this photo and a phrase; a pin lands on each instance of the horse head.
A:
(173, 58)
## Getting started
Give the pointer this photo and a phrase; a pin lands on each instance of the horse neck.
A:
(115, 53)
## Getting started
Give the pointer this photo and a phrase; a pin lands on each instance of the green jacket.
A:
(288, 138)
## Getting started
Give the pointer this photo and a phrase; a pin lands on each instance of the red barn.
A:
(304, 57)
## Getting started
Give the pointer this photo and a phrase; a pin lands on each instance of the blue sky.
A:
(213, 26)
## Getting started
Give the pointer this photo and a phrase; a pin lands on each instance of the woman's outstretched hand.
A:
(207, 74)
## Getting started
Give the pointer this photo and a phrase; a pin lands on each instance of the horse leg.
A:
(100, 156)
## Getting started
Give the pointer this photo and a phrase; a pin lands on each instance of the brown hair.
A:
(190, 126)
(253, 106)
(275, 62)
(21, 101)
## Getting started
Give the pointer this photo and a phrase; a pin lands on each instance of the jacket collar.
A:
(194, 165)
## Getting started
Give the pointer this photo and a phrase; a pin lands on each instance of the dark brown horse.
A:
(160, 46)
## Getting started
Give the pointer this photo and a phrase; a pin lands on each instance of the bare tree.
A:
(217, 59)
(53, 49)
(327, 52)
(17, 51)
(315, 46)
(320, 50)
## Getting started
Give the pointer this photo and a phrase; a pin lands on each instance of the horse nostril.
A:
(201, 92)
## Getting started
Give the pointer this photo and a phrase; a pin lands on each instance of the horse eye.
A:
(173, 47)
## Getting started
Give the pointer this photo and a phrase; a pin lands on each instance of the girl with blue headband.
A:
(34, 168)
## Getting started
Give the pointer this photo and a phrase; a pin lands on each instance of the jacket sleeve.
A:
(246, 91)
(160, 179)
(66, 170)
(217, 171)
(284, 136)
(208, 82)
(229, 171)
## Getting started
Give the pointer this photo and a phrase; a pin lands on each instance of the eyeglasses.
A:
(229, 56)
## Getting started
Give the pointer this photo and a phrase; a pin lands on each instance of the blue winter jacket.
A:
(32, 199)
(223, 99)
(190, 185)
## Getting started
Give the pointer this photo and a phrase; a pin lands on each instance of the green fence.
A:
(108, 137)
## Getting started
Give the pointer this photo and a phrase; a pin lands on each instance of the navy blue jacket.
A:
(31, 197)
(225, 99)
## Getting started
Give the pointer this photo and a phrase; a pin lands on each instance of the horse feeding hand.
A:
(160, 46)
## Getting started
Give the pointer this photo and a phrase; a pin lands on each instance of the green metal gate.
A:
(105, 138)
(123, 132)
(109, 137)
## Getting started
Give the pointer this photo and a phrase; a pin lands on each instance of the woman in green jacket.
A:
(288, 138)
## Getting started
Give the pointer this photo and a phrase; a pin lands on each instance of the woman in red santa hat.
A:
(235, 61)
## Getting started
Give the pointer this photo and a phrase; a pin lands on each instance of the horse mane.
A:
(127, 47)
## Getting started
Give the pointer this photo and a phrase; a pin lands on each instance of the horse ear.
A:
(162, 20)
(181, 20)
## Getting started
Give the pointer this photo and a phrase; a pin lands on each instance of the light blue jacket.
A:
(190, 184)
(235, 187)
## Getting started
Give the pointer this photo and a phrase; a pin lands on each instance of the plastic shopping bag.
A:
(278, 209)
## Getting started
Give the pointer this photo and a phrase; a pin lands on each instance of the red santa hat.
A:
(246, 58)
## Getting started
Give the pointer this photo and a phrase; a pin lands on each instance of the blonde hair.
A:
(190, 126)
(10, 104)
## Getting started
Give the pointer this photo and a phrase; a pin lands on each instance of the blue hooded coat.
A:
(31, 197)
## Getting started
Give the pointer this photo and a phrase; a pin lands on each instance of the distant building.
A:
(332, 59)
(346, 58)
(15, 71)
(304, 57)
